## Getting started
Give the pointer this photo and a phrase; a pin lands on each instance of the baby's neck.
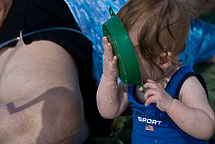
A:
(164, 78)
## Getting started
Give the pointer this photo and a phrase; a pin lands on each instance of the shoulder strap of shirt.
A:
(176, 82)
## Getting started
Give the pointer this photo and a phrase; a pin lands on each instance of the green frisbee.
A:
(129, 71)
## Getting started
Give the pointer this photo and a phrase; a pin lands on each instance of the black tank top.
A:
(27, 16)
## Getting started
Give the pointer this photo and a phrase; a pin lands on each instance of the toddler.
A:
(173, 108)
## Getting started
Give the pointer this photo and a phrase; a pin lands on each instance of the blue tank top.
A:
(152, 126)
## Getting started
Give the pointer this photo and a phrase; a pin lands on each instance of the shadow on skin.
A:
(58, 110)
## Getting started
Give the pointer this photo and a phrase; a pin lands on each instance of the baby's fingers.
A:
(108, 53)
(150, 84)
(115, 60)
(115, 66)
(149, 93)
(104, 40)
(150, 100)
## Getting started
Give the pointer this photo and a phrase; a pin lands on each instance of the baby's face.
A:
(146, 69)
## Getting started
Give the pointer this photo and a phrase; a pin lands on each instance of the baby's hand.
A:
(156, 94)
(110, 68)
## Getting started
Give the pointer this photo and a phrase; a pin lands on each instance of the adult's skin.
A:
(40, 98)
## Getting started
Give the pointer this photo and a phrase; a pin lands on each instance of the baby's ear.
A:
(164, 60)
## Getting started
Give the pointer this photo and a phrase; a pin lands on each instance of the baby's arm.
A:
(192, 112)
(111, 98)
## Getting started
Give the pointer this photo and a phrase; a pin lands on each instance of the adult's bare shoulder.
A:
(36, 67)
(39, 91)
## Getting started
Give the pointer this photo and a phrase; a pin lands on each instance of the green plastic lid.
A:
(129, 71)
